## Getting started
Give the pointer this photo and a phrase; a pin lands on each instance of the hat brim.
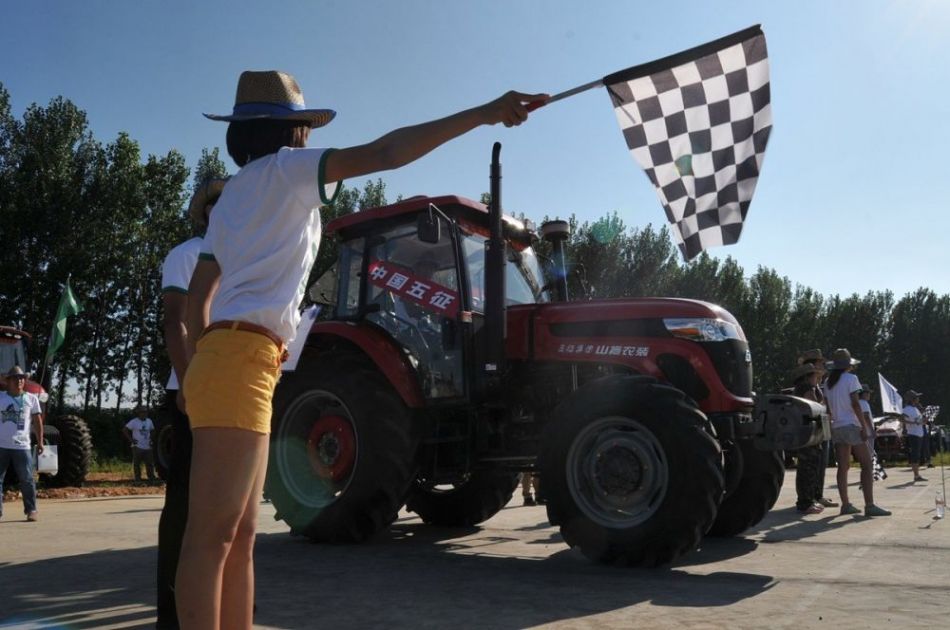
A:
(840, 365)
(316, 117)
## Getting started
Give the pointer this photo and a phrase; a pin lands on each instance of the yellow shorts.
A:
(231, 379)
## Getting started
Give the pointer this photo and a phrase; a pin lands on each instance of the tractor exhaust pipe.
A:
(496, 324)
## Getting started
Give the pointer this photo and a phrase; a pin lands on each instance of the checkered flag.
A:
(931, 412)
(698, 123)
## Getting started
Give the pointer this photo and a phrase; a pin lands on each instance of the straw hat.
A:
(803, 370)
(275, 95)
(841, 359)
(206, 194)
(811, 355)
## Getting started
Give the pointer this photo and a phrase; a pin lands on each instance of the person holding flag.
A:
(243, 305)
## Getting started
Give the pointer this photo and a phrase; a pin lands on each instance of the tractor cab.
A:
(417, 271)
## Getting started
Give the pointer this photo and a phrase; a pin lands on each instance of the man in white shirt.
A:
(138, 431)
(914, 424)
(20, 414)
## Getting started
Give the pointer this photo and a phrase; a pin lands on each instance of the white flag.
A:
(891, 401)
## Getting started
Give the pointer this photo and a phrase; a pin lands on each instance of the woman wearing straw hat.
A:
(849, 431)
(245, 294)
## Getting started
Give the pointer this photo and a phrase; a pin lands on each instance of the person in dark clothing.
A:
(815, 358)
(176, 275)
(810, 471)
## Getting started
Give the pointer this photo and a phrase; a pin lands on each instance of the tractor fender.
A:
(378, 348)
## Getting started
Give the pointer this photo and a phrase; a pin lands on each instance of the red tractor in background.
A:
(448, 365)
(69, 433)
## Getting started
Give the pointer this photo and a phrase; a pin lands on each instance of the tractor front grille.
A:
(732, 361)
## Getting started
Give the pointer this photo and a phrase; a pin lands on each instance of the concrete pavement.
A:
(90, 564)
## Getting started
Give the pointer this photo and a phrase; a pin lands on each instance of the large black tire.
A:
(162, 447)
(343, 451)
(75, 452)
(631, 470)
(476, 500)
(762, 475)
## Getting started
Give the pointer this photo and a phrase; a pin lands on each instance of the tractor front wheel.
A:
(477, 499)
(632, 473)
(756, 492)
(342, 451)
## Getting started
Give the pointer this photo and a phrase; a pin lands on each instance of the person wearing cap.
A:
(243, 304)
(914, 425)
(20, 415)
(177, 269)
(849, 431)
(814, 357)
(138, 431)
(808, 485)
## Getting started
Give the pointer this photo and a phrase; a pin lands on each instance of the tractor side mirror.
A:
(428, 228)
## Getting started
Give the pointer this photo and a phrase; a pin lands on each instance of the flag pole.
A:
(533, 105)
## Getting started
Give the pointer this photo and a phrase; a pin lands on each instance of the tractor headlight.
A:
(703, 329)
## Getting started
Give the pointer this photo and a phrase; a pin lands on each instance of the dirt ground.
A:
(103, 484)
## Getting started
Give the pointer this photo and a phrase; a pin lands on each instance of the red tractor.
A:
(448, 365)
(69, 433)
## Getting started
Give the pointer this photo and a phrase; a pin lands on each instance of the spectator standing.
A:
(177, 269)
(20, 415)
(529, 489)
(807, 482)
(815, 358)
(849, 431)
(864, 399)
(914, 425)
(138, 431)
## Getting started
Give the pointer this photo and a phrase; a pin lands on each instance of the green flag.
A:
(67, 306)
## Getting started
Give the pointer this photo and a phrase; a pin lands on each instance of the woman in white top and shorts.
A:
(244, 298)
(849, 431)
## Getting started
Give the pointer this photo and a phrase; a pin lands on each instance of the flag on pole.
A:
(698, 123)
(67, 306)
(891, 401)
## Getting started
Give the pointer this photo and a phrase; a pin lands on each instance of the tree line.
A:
(104, 216)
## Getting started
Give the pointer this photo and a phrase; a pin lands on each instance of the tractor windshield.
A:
(523, 277)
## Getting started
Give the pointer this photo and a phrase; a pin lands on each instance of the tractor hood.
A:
(622, 316)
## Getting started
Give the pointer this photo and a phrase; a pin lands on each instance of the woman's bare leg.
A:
(863, 455)
(237, 598)
(224, 474)
(843, 454)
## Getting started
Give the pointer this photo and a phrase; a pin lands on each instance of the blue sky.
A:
(852, 198)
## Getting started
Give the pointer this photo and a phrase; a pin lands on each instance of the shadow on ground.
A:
(412, 576)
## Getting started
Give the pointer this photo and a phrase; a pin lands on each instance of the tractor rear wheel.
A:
(762, 475)
(75, 451)
(632, 473)
(482, 495)
(342, 453)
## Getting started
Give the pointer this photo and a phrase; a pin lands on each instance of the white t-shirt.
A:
(866, 408)
(839, 400)
(177, 270)
(915, 426)
(264, 233)
(16, 415)
(141, 432)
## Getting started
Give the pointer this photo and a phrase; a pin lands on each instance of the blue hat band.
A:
(269, 109)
